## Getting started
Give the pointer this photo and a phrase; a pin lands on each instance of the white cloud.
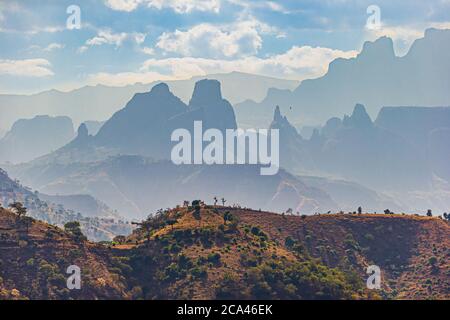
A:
(139, 37)
(179, 6)
(110, 38)
(125, 78)
(149, 51)
(298, 63)
(53, 46)
(123, 5)
(107, 37)
(241, 38)
(250, 5)
(26, 68)
(82, 49)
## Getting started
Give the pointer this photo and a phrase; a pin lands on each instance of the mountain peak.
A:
(206, 91)
(383, 47)
(82, 131)
(160, 89)
(360, 117)
(277, 114)
(282, 123)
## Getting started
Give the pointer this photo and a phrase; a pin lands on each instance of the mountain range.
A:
(375, 78)
(403, 154)
(32, 138)
(101, 102)
(126, 164)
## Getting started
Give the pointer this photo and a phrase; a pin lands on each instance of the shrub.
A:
(214, 258)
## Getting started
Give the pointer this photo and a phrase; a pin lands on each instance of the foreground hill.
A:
(34, 257)
(217, 252)
(212, 252)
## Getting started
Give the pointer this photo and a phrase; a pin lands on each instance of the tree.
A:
(74, 228)
(27, 222)
(223, 202)
(215, 201)
(429, 213)
(387, 211)
(186, 203)
(18, 208)
(171, 223)
(359, 210)
(446, 216)
(227, 216)
(289, 211)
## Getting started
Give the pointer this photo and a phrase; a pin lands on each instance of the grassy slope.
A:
(404, 247)
(34, 263)
(174, 256)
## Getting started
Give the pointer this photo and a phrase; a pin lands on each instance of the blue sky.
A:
(126, 41)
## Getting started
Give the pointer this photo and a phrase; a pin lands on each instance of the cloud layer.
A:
(298, 63)
(26, 68)
(179, 6)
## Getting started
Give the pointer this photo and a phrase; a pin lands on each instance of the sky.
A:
(120, 42)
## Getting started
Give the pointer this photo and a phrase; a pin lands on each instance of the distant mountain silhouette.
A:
(414, 123)
(294, 155)
(359, 150)
(32, 138)
(142, 126)
(88, 205)
(439, 152)
(101, 102)
(145, 125)
(375, 78)
(425, 128)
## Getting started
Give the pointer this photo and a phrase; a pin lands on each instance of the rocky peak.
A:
(160, 89)
(206, 92)
(360, 117)
(277, 115)
(382, 47)
(82, 131)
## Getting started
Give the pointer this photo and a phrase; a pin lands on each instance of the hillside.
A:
(34, 257)
(215, 252)
(103, 226)
(193, 253)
